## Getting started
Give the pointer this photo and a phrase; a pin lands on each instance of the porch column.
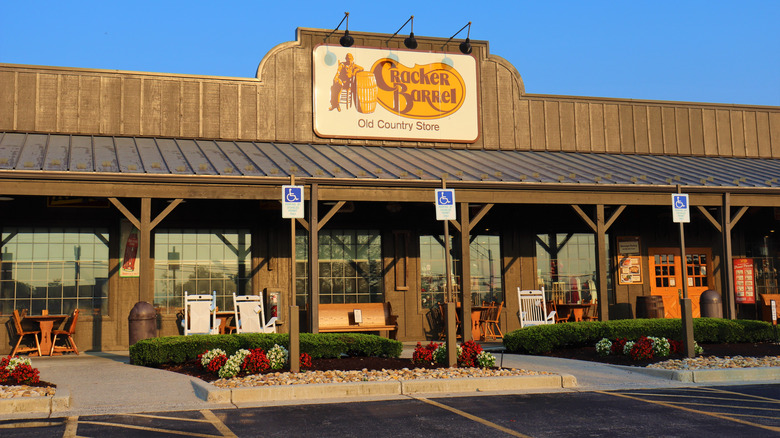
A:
(146, 279)
(465, 271)
(601, 262)
(314, 262)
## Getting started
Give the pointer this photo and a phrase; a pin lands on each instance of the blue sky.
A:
(696, 51)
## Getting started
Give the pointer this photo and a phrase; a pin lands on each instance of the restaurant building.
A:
(118, 187)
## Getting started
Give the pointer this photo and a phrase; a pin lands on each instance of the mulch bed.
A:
(40, 384)
(193, 368)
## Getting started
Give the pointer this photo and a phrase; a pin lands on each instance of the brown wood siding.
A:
(47, 102)
(277, 107)
(110, 105)
(490, 111)
(506, 118)
(170, 108)
(26, 101)
(627, 139)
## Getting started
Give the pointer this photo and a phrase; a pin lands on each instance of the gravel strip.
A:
(699, 363)
(25, 391)
(308, 377)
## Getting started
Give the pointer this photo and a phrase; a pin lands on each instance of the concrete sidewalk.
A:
(104, 383)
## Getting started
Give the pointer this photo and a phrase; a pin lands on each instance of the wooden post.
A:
(314, 262)
(146, 280)
(727, 262)
(295, 341)
(465, 271)
(601, 263)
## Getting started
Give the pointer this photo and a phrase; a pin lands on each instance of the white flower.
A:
(440, 353)
(486, 360)
(15, 361)
(211, 354)
(233, 365)
(277, 356)
(604, 347)
(627, 348)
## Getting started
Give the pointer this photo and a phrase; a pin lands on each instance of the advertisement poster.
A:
(744, 281)
(630, 270)
(129, 250)
(395, 94)
(630, 261)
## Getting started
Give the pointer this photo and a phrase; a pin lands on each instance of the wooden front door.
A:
(666, 277)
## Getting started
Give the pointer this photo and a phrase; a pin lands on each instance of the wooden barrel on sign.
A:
(366, 91)
(651, 306)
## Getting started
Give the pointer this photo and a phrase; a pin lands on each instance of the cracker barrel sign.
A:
(398, 94)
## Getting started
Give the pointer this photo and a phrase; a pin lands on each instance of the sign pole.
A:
(686, 307)
(295, 347)
(451, 326)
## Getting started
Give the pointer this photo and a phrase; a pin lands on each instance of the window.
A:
(566, 266)
(486, 283)
(350, 267)
(201, 262)
(58, 269)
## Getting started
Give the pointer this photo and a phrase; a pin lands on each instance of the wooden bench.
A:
(341, 317)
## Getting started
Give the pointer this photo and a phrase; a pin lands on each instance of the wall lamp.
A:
(410, 42)
(465, 46)
(346, 40)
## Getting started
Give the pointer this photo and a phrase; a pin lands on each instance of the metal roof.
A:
(138, 156)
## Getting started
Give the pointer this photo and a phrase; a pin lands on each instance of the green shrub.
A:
(180, 349)
(545, 338)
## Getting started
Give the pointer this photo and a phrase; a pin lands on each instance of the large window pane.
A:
(54, 269)
(347, 258)
(201, 262)
(486, 284)
(566, 266)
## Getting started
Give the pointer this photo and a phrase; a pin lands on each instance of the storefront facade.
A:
(119, 187)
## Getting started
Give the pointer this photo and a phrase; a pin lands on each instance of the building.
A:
(119, 187)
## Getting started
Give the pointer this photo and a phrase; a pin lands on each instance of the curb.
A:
(710, 375)
(279, 393)
(49, 404)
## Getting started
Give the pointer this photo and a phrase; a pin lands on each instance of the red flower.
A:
(256, 362)
(424, 354)
(618, 344)
(642, 349)
(468, 354)
(305, 360)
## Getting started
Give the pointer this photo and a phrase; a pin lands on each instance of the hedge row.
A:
(545, 338)
(180, 349)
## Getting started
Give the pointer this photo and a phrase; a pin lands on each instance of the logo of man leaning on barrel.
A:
(429, 91)
(352, 85)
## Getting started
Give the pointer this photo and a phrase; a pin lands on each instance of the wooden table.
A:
(46, 323)
(573, 310)
(223, 319)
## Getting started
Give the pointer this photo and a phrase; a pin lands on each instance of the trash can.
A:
(650, 306)
(142, 322)
(709, 303)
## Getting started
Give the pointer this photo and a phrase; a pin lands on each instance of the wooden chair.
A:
(533, 309)
(21, 332)
(250, 315)
(458, 323)
(559, 317)
(490, 322)
(200, 314)
(70, 344)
